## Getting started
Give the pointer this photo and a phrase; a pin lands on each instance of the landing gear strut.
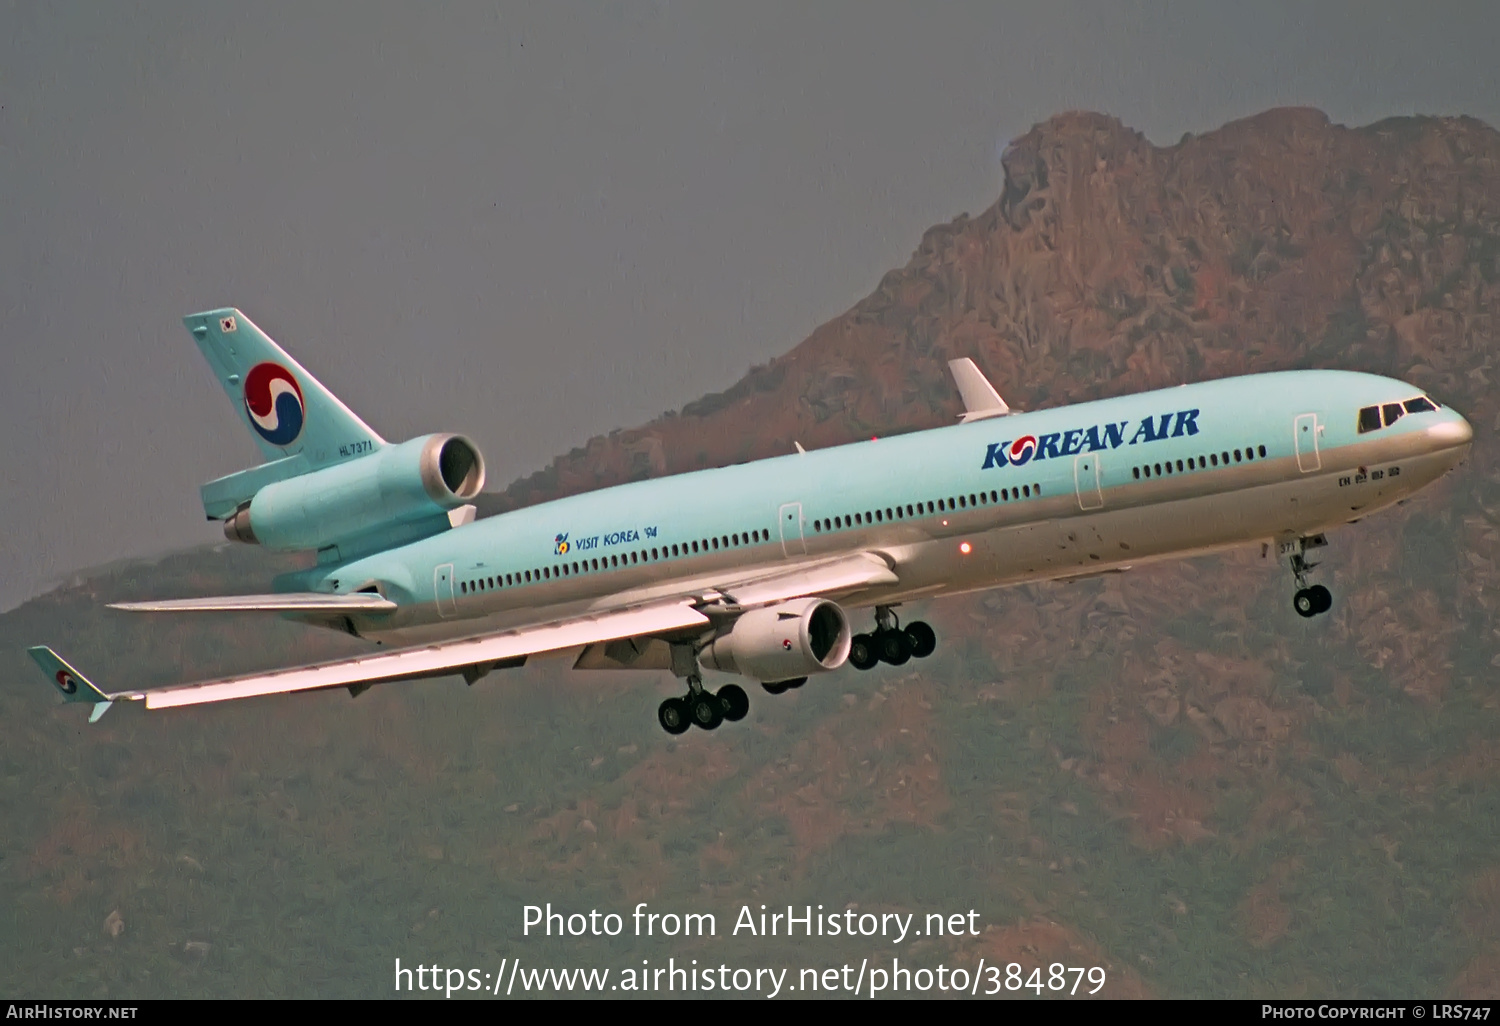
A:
(699, 707)
(1308, 601)
(890, 643)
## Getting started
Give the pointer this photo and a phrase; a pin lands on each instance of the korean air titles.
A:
(1093, 438)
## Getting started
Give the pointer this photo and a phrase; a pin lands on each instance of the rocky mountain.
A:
(1109, 265)
(1166, 772)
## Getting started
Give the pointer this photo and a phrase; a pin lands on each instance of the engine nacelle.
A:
(394, 486)
(783, 642)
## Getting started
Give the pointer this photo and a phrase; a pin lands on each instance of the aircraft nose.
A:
(1451, 431)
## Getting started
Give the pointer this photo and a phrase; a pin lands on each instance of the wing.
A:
(437, 660)
(305, 601)
(979, 396)
(828, 578)
(630, 616)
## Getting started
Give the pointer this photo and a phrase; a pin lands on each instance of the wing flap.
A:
(307, 601)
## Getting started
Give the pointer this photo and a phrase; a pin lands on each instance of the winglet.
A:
(979, 396)
(74, 686)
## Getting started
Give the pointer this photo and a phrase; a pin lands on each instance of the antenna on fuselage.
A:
(979, 396)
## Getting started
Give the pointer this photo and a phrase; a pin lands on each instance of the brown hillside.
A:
(1109, 265)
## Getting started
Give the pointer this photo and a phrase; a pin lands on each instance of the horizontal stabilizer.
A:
(295, 602)
(979, 396)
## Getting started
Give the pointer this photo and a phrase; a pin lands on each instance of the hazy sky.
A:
(538, 223)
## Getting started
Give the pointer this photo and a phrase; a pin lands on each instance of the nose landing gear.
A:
(890, 643)
(1308, 601)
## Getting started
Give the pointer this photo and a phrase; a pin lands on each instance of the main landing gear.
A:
(703, 708)
(699, 706)
(890, 643)
(1307, 601)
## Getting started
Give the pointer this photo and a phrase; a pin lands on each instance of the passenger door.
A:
(1305, 433)
(442, 587)
(792, 542)
(1086, 481)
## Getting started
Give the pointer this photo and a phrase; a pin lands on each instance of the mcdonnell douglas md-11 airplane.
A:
(755, 569)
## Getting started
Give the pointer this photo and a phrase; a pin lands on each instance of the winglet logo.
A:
(66, 682)
(561, 545)
(273, 399)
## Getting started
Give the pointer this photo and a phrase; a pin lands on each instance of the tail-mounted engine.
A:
(782, 642)
(394, 487)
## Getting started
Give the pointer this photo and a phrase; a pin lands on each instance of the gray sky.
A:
(539, 223)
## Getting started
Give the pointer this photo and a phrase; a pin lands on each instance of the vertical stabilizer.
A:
(287, 410)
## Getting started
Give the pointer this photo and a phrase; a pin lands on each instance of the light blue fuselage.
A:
(1108, 484)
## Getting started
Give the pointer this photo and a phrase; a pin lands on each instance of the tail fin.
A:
(287, 410)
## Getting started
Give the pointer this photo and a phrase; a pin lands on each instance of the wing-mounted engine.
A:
(400, 492)
(782, 642)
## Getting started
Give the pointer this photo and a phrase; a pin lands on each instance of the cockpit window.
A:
(1369, 419)
(1393, 412)
(1421, 404)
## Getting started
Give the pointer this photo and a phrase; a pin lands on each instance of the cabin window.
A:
(1421, 404)
(1026, 491)
(1392, 412)
(879, 517)
(633, 558)
(695, 546)
(735, 538)
(1369, 419)
(888, 514)
(1236, 455)
(1262, 450)
(1137, 472)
